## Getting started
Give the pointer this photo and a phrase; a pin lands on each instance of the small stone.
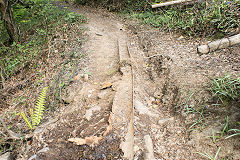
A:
(33, 157)
(180, 38)
(98, 34)
(68, 100)
(44, 150)
(164, 121)
(85, 77)
(143, 109)
(90, 93)
(6, 156)
(114, 87)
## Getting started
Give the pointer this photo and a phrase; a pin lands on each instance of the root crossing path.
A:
(112, 112)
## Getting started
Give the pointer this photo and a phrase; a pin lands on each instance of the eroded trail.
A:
(100, 103)
(122, 104)
(110, 112)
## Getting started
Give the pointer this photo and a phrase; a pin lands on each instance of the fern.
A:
(26, 120)
(39, 108)
(36, 115)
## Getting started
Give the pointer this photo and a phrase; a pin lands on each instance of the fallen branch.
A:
(219, 44)
(12, 134)
(185, 2)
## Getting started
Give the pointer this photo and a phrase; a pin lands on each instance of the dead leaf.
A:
(93, 140)
(107, 85)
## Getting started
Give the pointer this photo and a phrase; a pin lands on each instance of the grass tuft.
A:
(225, 88)
(217, 17)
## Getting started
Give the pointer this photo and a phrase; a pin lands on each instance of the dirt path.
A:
(123, 105)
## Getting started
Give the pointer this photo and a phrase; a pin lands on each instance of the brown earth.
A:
(131, 93)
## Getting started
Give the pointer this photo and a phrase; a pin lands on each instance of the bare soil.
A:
(130, 94)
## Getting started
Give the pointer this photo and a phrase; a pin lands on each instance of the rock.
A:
(6, 156)
(44, 150)
(90, 111)
(180, 38)
(102, 94)
(164, 121)
(90, 93)
(33, 157)
(98, 34)
(85, 77)
(142, 109)
(68, 99)
(155, 106)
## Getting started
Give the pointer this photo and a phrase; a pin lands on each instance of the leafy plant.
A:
(225, 88)
(37, 113)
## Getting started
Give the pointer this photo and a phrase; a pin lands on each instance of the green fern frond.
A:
(39, 108)
(31, 113)
(26, 120)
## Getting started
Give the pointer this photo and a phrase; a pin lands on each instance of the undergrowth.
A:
(36, 114)
(47, 55)
(214, 17)
(202, 106)
(37, 24)
(225, 88)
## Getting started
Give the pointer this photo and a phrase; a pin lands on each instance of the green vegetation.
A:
(224, 130)
(37, 114)
(225, 88)
(193, 105)
(206, 155)
(46, 55)
(236, 132)
(38, 26)
(216, 17)
(207, 18)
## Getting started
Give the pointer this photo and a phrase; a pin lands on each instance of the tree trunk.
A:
(7, 17)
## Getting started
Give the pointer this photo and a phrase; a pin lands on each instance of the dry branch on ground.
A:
(184, 2)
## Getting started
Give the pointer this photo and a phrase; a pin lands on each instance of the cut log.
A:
(219, 44)
(171, 3)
